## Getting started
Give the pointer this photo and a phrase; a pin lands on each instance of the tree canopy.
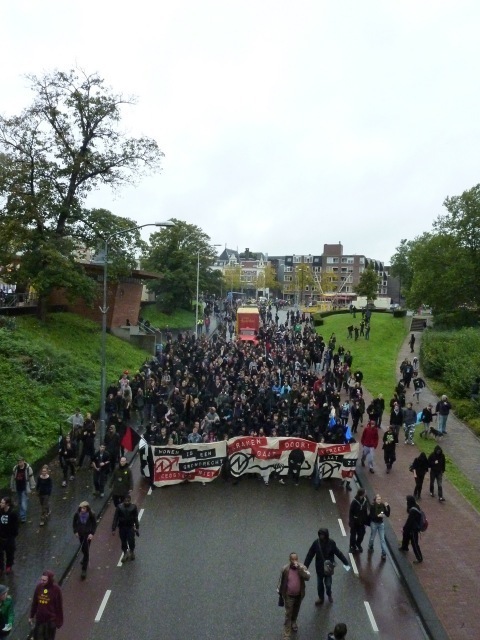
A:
(441, 268)
(52, 155)
(368, 284)
(175, 253)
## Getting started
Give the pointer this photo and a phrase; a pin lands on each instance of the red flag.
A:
(130, 439)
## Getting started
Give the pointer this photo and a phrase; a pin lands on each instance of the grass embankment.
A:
(377, 358)
(178, 320)
(46, 371)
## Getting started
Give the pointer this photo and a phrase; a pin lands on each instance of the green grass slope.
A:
(46, 371)
(376, 357)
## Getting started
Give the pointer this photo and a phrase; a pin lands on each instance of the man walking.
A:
(358, 516)
(443, 409)
(22, 482)
(46, 611)
(101, 467)
(411, 529)
(410, 420)
(84, 527)
(121, 482)
(369, 442)
(126, 518)
(436, 463)
(323, 549)
(8, 533)
(291, 588)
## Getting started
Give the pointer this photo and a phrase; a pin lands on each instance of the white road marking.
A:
(370, 615)
(342, 528)
(149, 492)
(103, 605)
(140, 514)
(332, 496)
(120, 563)
(353, 563)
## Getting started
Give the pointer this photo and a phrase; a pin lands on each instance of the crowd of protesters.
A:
(289, 381)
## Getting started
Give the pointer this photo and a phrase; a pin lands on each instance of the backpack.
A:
(423, 520)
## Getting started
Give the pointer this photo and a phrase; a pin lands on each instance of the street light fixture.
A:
(198, 293)
(104, 311)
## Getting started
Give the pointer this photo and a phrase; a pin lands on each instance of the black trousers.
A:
(7, 552)
(85, 549)
(357, 534)
(127, 537)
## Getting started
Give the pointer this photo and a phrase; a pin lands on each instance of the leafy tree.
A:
(402, 266)
(232, 277)
(66, 144)
(267, 279)
(368, 284)
(303, 278)
(175, 254)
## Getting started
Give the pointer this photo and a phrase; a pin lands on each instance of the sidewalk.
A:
(446, 584)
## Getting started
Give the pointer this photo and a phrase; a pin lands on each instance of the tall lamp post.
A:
(104, 311)
(198, 292)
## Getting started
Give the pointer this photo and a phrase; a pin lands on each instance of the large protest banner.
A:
(337, 460)
(192, 462)
(266, 455)
(203, 462)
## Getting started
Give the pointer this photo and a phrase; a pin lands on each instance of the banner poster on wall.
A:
(337, 460)
(188, 462)
(267, 455)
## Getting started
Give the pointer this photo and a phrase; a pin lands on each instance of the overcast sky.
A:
(285, 125)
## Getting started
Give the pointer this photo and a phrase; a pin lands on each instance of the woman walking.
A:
(44, 491)
(379, 510)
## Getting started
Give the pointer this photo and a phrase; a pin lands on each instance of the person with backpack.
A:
(412, 528)
(426, 419)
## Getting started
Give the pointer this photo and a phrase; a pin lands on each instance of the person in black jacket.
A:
(84, 527)
(8, 532)
(411, 529)
(396, 417)
(436, 462)
(390, 441)
(324, 548)
(339, 633)
(126, 518)
(357, 519)
(419, 467)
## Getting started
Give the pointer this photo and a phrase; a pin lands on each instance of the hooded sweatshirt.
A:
(47, 605)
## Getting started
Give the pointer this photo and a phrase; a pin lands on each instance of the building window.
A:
(288, 269)
(332, 260)
(297, 259)
(362, 260)
(308, 259)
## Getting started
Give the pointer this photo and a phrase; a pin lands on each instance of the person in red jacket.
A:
(47, 608)
(370, 443)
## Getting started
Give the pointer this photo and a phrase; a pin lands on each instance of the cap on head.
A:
(3, 589)
(84, 504)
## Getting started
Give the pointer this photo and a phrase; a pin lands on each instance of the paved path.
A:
(446, 585)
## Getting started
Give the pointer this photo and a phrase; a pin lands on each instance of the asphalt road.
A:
(208, 562)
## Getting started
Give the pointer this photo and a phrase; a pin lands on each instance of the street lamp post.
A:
(104, 311)
(198, 292)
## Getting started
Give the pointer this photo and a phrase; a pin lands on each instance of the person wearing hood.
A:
(419, 467)
(411, 529)
(126, 519)
(322, 549)
(6, 612)
(357, 519)
(8, 533)
(84, 527)
(436, 463)
(46, 612)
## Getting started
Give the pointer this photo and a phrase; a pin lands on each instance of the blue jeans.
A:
(377, 527)
(22, 498)
(328, 586)
(442, 423)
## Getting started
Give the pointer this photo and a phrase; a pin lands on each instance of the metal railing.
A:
(12, 300)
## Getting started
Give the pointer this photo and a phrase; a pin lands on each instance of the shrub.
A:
(399, 313)
(456, 319)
